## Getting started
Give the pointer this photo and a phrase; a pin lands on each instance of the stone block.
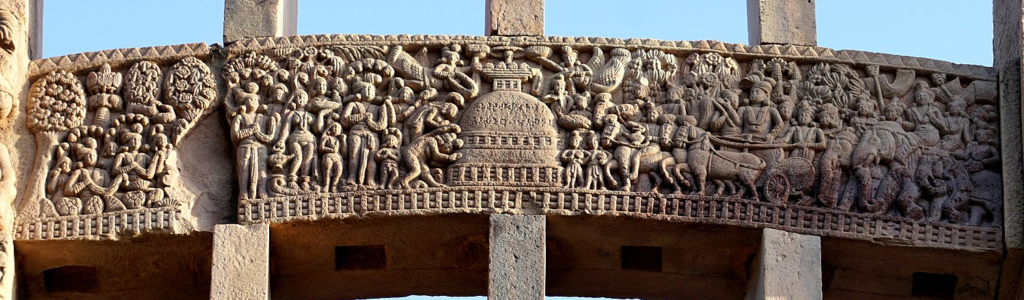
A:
(241, 262)
(1007, 51)
(514, 17)
(781, 22)
(788, 266)
(259, 18)
(517, 257)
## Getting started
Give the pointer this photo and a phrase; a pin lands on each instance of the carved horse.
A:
(654, 162)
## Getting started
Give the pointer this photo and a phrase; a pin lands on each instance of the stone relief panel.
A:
(106, 138)
(839, 143)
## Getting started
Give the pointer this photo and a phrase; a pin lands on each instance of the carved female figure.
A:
(247, 133)
(132, 164)
(58, 178)
(331, 145)
(158, 165)
(300, 141)
(365, 120)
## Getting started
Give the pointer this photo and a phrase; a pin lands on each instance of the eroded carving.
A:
(336, 123)
(107, 151)
(854, 139)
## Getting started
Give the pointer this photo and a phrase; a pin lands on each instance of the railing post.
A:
(514, 17)
(781, 22)
(259, 18)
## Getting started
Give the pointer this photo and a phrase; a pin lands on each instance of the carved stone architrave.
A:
(806, 139)
(106, 127)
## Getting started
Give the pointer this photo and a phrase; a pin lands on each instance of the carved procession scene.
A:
(106, 141)
(332, 121)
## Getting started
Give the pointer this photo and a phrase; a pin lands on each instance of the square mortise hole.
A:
(72, 279)
(934, 286)
(360, 257)
(641, 258)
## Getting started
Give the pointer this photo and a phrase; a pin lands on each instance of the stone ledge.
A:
(671, 208)
(109, 225)
(116, 58)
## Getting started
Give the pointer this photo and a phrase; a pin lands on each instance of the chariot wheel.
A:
(799, 171)
(776, 188)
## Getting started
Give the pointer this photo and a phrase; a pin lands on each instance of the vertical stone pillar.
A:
(241, 262)
(1006, 45)
(518, 257)
(781, 22)
(21, 25)
(788, 266)
(514, 17)
(259, 18)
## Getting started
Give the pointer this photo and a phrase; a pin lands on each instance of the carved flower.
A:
(709, 80)
(713, 59)
(69, 206)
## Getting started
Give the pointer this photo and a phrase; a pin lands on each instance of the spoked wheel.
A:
(776, 188)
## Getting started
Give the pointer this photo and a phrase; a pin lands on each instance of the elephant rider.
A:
(927, 118)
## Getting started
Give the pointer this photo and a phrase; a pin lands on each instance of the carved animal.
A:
(654, 162)
(832, 164)
(704, 162)
(886, 143)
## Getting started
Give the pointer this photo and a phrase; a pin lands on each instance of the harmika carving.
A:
(106, 149)
(340, 119)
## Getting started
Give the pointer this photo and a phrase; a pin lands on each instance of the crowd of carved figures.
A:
(110, 140)
(341, 119)
(824, 135)
(862, 139)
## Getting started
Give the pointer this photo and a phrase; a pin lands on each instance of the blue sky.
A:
(956, 31)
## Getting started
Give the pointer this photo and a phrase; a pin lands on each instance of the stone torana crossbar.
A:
(808, 139)
(515, 165)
